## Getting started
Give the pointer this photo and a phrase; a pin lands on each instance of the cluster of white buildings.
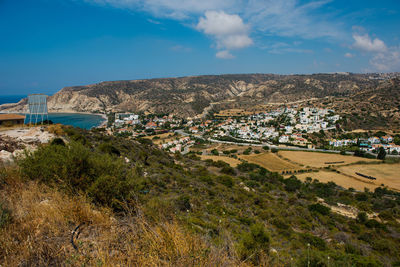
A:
(290, 123)
(177, 145)
(124, 119)
(312, 120)
(371, 144)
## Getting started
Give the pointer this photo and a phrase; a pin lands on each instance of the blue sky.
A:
(48, 44)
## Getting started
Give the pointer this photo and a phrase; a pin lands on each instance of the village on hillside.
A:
(290, 127)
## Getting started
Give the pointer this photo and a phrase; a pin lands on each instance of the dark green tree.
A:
(381, 153)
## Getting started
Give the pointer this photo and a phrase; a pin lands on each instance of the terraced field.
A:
(339, 179)
(387, 174)
(320, 160)
(271, 162)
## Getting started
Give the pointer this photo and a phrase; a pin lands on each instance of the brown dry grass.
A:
(233, 112)
(164, 138)
(317, 160)
(339, 179)
(231, 161)
(56, 129)
(387, 174)
(271, 162)
(43, 219)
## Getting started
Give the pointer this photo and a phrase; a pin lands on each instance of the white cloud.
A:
(176, 9)
(277, 17)
(349, 55)
(387, 61)
(383, 58)
(283, 48)
(229, 31)
(225, 54)
(220, 23)
(365, 43)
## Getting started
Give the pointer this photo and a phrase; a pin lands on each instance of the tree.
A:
(362, 217)
(215, 152)
(381, 154)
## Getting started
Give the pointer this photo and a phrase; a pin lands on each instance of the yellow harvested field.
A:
(387, 174)
(164, 138)
(231, 161)
(318, 160)
(339, 179)
(270, 161)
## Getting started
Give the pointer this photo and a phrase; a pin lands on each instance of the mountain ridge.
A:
(190, 96)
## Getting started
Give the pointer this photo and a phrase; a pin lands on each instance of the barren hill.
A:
(189, 96)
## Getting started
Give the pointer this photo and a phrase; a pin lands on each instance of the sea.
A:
(84, 121)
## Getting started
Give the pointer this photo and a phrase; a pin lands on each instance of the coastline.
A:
(102, 124)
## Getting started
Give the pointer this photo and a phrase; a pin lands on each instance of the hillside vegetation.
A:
(92, 199)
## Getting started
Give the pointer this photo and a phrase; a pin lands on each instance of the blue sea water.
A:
(85, 121)
(4, 99)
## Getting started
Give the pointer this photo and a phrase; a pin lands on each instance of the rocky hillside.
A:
(190, 96)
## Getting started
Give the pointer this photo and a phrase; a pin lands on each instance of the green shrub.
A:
(75, 168)
(274, 150)
(225, 180)
(183, 203)
(5, 216)
(109, 149)
(361, 197)
(319, 209)
(292, 184)
(247, 167)
(280, 224)
(215, 152)
(228, 170)
(314, 241)
(254, 242)
(372, 223)
(105, 190)
(58, 141)
(362, 217)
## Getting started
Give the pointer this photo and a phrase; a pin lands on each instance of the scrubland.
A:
(91, 199)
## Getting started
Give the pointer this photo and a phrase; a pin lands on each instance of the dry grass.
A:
(233, 112)
(164, 138)
(318, 160)
(271, 162)
(231, 161)
(56, 129)
(339, 179)
(43, 219)
(387, 174)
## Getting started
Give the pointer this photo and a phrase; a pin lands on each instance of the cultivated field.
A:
(387, 174)
(271, 162)
(164, 138)
(339, 179)
(319, 160)
(231, 161)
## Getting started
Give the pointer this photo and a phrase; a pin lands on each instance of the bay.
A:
(84, 121)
